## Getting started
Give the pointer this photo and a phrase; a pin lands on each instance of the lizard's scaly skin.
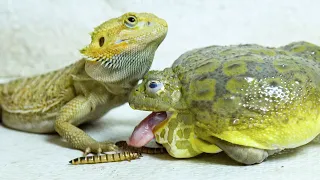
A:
(121, 52)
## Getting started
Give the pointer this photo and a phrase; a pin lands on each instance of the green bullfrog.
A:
(247, 100)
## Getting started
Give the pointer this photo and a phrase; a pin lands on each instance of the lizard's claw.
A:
(87, 151)
(100, 147)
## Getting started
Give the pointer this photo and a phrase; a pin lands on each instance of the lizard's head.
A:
(124, 47)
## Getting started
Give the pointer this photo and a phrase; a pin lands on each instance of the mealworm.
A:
(147, 150)
(106, 158)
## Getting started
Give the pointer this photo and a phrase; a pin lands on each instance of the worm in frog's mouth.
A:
(143, 132)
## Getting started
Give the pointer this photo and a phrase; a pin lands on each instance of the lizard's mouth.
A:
(144, 131)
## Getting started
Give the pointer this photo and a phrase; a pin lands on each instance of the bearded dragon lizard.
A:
(120, 53)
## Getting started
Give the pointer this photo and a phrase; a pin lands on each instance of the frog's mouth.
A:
(144, 131)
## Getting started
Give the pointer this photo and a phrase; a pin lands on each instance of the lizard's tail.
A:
(1, 94)
(3, 81)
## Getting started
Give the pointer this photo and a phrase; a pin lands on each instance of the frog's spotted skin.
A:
(304, 49)
(240, 90)
(247, 95)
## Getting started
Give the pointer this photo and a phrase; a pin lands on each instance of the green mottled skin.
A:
(240, 99)
(120, 53)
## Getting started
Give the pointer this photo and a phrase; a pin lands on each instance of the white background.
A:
(37, 36)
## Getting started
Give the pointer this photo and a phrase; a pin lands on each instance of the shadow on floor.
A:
(222, 159)
(56, 139)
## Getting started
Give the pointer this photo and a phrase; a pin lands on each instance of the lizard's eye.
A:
(101, 41)
(154, 87)
(130, 21)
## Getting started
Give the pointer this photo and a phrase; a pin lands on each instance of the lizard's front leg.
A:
(73, 114)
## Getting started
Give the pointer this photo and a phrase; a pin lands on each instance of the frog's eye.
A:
(130, 21)
(153, 87)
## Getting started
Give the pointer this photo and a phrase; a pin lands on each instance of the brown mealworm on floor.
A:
(146, 150)
(104, 158)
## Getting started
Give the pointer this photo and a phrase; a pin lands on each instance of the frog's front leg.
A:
(243, 154)
(73, 114)
(177, 135)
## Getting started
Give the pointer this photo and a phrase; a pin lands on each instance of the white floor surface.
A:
(37, 36)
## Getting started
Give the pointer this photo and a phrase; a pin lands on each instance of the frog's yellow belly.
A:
(291, 136)
(294, 126)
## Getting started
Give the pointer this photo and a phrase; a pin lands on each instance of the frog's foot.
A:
(243, 154)
(100, 147)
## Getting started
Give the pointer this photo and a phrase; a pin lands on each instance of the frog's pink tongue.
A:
(142, 133)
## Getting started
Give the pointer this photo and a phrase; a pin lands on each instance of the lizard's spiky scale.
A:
(41, 93)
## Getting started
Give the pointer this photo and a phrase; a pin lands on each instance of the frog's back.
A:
(252, 95)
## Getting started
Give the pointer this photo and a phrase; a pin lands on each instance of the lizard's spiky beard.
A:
(120, 68)
(104, 61)
(108, 63)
